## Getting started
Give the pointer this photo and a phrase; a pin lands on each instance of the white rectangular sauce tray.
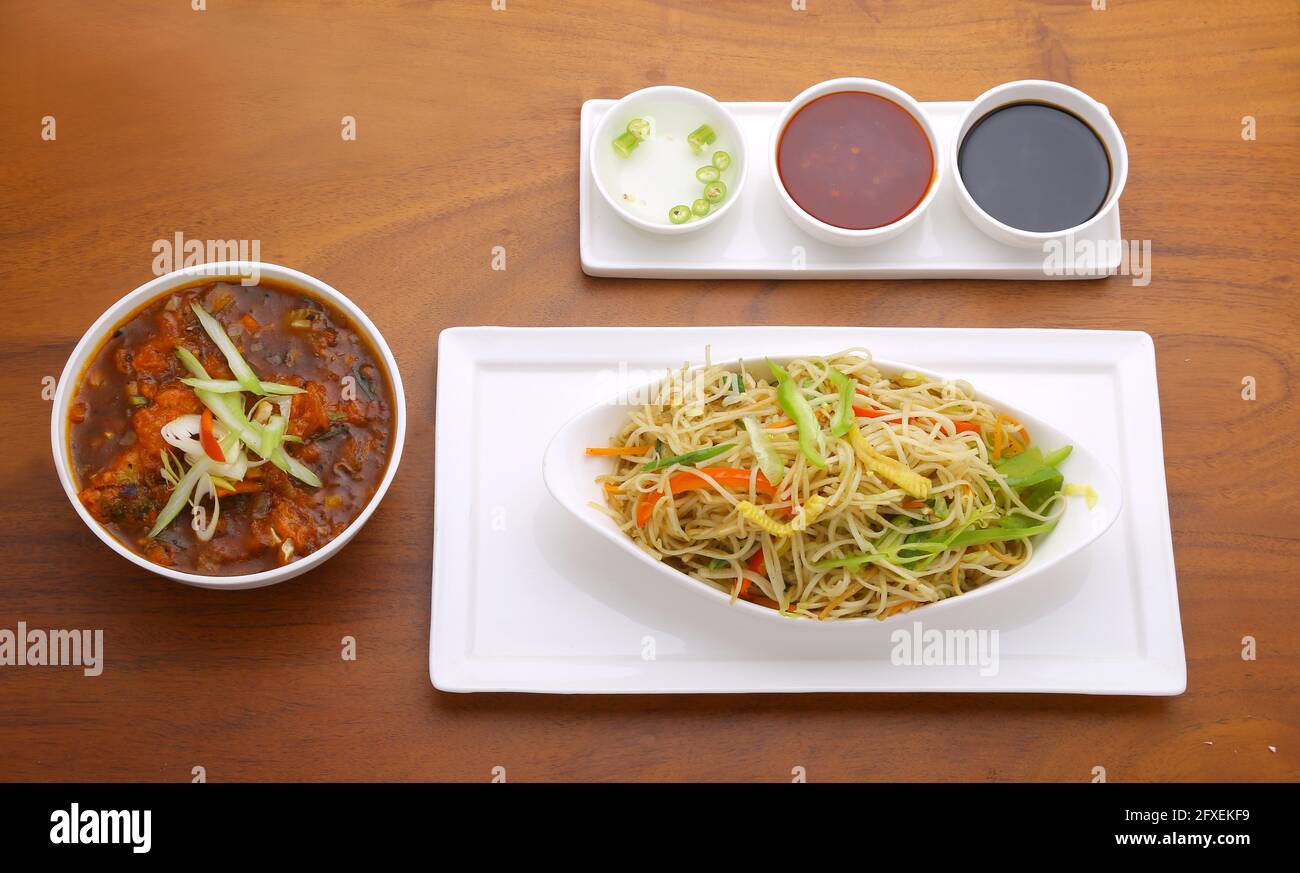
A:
(756, 239)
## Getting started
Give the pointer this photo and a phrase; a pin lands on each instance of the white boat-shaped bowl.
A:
(570, 475)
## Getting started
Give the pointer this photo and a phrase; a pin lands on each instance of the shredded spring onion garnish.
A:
(243, 373)
(229, 386)
(829, 489)
(216, 444)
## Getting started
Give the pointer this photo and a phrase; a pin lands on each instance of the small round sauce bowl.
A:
(660, 172)
(1058, 96)
(849, 236)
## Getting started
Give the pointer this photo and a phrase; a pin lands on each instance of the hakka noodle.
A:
(829, 490)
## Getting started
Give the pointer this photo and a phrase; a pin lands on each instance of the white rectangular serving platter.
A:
(757, 240)
(525, 598)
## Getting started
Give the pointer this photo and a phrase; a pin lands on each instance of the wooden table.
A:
(226, 124)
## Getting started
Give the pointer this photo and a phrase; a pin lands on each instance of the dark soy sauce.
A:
(1035, 167)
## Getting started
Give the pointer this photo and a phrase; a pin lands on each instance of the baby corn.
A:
(757, 517)
(887, 468)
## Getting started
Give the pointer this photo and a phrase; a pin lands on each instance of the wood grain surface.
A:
(225, 124)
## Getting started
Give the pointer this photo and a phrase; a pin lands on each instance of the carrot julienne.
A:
(761, 600)
(1000, 435)
(899, 607)
(1006, 559)
(616, 451)
(844, 595)
(896, 608)
(732, 477)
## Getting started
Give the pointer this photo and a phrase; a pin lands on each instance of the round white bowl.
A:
(1094, 114)
(654, 102)
(202, 274)
(844, 236)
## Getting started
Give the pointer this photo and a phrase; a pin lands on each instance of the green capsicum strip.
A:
(690, 458)
(1030, 465)
(794, 404)
(1034, 476)
(844, 419)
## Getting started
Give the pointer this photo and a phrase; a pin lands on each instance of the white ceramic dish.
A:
(842, 236)
(757, 240)
(525, 598)
(660, 173)
(570, 476)
(232, 271)
(1094, 114)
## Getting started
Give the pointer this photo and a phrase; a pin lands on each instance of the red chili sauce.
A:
(855, 160)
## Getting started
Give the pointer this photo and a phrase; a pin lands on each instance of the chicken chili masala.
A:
(225, 429)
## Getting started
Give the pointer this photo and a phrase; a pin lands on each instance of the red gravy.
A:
(132, 387)
(855, 160)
